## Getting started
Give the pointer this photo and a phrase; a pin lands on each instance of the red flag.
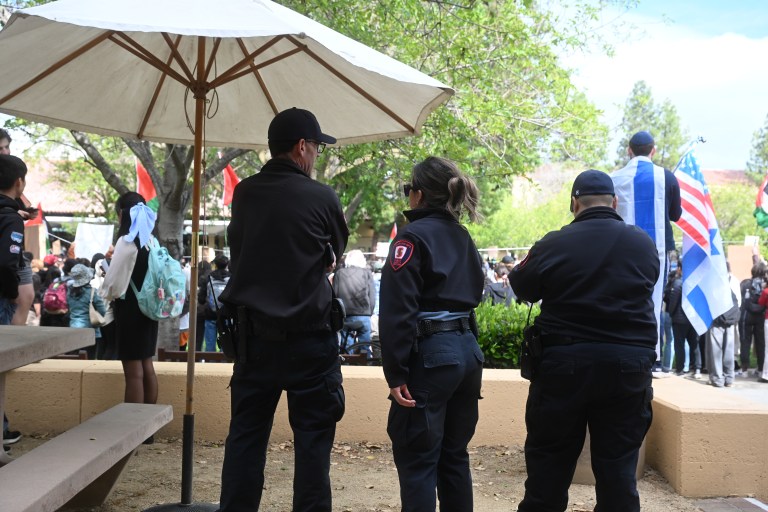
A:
(393, 233)
(230, 181)
(144, 184)
(37, 220)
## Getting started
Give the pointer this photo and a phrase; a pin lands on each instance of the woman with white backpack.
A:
(135, 333)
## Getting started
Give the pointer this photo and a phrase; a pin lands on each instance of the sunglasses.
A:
(407, 189)
(320, 145)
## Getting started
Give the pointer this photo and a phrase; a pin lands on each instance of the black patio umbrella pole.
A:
(199, 90)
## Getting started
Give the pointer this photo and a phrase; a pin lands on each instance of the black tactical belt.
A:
(551, 340)
(429, 327)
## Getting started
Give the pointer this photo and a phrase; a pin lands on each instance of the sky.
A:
(708, 57)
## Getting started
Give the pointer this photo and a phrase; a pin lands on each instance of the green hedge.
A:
(501, 331)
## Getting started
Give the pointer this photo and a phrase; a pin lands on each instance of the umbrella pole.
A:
(188, 433)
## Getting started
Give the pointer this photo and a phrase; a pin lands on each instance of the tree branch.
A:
(100, 162)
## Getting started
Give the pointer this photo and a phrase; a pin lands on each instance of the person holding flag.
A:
(706, 286)
(649, 197)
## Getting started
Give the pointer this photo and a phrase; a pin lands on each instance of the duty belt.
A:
(429, 327)
(551, 340)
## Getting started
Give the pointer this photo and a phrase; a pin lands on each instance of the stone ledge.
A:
(705, 441)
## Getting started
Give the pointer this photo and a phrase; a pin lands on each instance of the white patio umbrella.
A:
(201, 72)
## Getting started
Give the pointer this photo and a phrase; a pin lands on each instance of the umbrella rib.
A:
(265, 63)
(353, 85)
(139, 51)
(53, 68)
(256, 73)
(212, 57)
(178, 58)
(159, 86)
(227, 76)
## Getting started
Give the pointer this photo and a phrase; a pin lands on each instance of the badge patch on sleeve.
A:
(17, 237)
(401, 253)
(15, 249)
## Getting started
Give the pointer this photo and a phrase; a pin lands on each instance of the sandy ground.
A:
(363, 477)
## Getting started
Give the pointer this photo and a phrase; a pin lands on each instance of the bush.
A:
(501, 332)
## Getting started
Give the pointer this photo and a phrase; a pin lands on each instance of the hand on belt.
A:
(428, 327)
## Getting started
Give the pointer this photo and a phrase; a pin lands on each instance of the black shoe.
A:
(149, 440)
(11, 437)
(6, 448)
(762, 380)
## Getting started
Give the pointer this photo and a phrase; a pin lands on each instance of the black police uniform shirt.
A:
(282, 221)
(433, 265)
(595, 278)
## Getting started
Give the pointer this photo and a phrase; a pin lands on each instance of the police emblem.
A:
(401, 253)
(17, 237)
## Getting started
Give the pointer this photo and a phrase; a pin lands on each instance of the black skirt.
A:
(135, 334)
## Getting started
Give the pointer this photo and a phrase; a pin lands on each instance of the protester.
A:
(649, 197)
(355, 286)
(431, 283)
(681, 327)
(596, 335)
(135, 334)
(754, 314)
(80, 295)
(287, 231)
(499, 291)
(208, 294)
(13, 173)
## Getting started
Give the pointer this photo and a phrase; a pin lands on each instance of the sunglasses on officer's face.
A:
(407, 189)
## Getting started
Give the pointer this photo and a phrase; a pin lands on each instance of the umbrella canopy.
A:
(129, 69)
(201, 72)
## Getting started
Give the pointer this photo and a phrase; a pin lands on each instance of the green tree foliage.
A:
(758, 155)
(514, 106)
(519, 224)
(641, 112)
(733, 204)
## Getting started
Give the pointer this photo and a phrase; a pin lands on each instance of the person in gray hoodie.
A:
(354, 285)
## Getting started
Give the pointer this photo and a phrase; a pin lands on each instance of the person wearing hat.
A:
(80, 294)
(649, 197)
(596, 336)
(287, 231)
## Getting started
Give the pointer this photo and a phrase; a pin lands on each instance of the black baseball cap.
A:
(592, 183)
(294, 124)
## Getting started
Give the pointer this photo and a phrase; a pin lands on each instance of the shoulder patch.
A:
(401, 253)
(525, 260)
(17, 237)
(15, 249)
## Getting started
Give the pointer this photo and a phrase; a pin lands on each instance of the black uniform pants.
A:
(307, 368)
(429, 441)
(603, 385)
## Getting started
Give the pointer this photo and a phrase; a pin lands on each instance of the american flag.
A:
(706, 289)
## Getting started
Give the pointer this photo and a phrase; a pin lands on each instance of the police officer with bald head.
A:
(595, 336)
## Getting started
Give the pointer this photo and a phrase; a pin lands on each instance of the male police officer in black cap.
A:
(597, 329)
(286, 230)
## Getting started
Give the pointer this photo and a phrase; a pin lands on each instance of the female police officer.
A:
(432, 281)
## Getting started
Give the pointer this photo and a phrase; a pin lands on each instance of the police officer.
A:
(594, 278)
(285, 233)
(430, 284)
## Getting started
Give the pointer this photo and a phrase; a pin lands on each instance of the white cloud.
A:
(718, 84)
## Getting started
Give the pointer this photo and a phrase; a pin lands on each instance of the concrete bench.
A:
(79, 467)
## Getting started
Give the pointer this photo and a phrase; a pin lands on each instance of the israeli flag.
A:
(640, 189)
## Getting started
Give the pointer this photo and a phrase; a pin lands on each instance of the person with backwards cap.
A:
(649, 197)
(594, 340)
(286, 233)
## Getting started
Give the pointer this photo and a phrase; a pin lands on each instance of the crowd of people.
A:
(609, 317)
